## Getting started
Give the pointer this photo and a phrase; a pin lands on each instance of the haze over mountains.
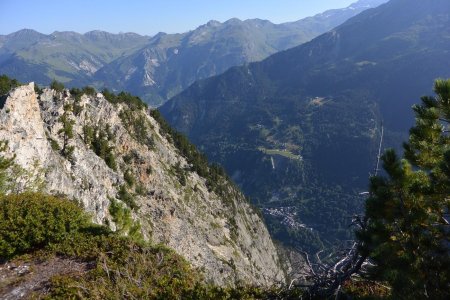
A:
(298, 115)
(300, 130)
(65, 56)
(156, 68)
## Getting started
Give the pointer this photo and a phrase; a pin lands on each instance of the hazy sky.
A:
(148, 17)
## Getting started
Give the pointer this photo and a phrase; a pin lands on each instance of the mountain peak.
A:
(26, 31)
(258, 22)
(172, 61)
(66, 34)
(233, 21)
(100, 34)
(26, 34)
(307, 120)
(213, 23)
(367, 4)
(97, 33)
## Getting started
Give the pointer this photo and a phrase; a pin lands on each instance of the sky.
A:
(148, 17)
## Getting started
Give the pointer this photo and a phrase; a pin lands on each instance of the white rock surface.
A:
(225, 238)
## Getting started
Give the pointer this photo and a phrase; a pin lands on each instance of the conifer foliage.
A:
(5, 164)
(67, 132)
(408, 210)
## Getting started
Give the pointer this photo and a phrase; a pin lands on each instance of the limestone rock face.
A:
(221, 235)
(22, 123)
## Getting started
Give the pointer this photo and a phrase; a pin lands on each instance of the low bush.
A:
(125, 224)
(33, 221)
(120, 267)
(124, 195)
(98, 138)
(133, 102)
(6, 84)
(41, 226)
(57, 86)
(130, 271)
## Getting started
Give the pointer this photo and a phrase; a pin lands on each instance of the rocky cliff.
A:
(98, 153)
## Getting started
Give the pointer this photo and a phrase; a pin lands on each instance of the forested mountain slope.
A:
(66, 56)
(300, 130)
(159, 67)
(170, 63)
(129, 171)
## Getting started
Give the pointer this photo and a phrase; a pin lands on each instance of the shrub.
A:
(89, 90)
(129, 178)
(127, 198)
(180, 173)
(125, 224)
(6, 84)
(120, 265)
(98, 139)
(37, 89)
(54, 144)
(67, 132)
(57, 86)
(77, 108)
(75, 92)
(5, 164)
(88, 134)
(133, 102)
(140, 189)
(32, 221)
(128, 270)
(137, 126)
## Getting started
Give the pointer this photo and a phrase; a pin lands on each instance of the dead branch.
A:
(326, 279)
(379, 150)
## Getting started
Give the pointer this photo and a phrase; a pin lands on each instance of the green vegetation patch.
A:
(133, 102)
(32, 221)
(6, 84)
(216, 178)
(43, 226)
(57, 86)
(56, 226)
(283, 153)
(99, 138)
(407, 236)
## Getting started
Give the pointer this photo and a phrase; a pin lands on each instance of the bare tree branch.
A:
(326, 280)
(379, 150)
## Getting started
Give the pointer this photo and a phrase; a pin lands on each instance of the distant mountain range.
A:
(299, 131)
(156, 68)
(66, 56)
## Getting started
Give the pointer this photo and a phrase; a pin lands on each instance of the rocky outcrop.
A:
(223, 236)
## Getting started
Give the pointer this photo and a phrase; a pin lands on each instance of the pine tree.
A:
(5, 164)
(57, 86)
(6, 84)
(67, 132)
(408, 232)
